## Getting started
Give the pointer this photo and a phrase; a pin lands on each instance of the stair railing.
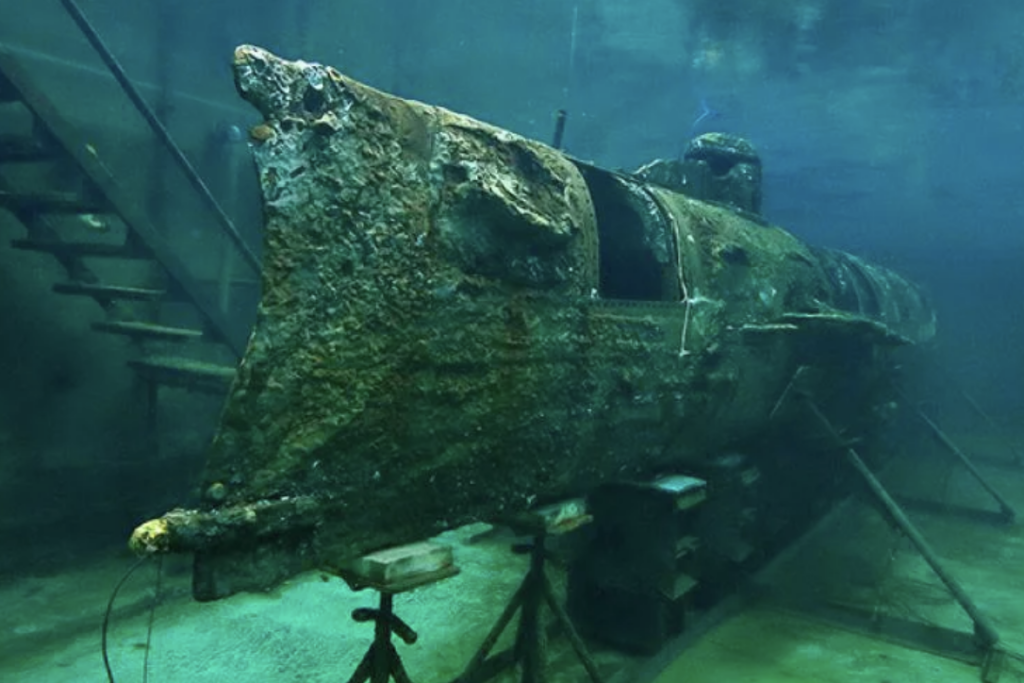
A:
(225, 223)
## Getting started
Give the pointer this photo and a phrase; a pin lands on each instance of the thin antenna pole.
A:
(563, 113)
(573, 32)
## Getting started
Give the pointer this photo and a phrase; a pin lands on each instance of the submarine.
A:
(458, 324)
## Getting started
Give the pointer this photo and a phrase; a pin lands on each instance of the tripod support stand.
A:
(528, 650)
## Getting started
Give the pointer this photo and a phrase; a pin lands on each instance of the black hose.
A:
(152, 615)
(110, 608)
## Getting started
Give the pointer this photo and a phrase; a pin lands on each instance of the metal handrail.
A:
(165, 137)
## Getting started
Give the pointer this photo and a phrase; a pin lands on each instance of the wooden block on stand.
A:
(400, 568)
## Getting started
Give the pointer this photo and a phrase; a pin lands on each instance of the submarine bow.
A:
(457, 323)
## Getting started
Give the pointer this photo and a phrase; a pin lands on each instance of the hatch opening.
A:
(635, 249)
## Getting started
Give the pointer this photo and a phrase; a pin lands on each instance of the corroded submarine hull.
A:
(458, 323)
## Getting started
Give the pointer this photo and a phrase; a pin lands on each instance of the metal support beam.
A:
(1007, 512)
(984, 632)
(528, 650)
(1016, 458)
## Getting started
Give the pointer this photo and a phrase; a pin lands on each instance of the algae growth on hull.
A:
(436, 343)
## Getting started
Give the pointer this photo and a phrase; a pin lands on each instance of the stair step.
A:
(21, 148)
(52, 125)
(109, 291)
(185, 373)
(49, 202)
(79, 248)
(139, 330)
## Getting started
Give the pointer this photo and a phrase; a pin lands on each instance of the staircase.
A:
(74, 209)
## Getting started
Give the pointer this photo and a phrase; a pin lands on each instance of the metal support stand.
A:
(985, 634)
(1006, 513)
(1016, 458)
(528, 650)
(382, 661)
(389, 572)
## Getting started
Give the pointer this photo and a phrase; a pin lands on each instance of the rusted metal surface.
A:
(458, 323)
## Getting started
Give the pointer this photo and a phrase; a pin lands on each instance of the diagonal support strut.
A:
(1006, 511)
(985, 633)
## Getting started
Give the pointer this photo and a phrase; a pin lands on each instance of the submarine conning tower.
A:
(715, 167)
